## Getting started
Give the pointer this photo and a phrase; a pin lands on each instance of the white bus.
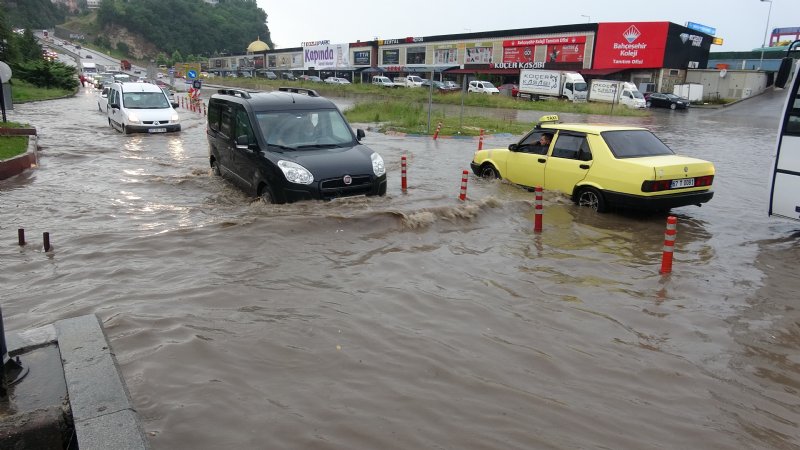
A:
(784, 198)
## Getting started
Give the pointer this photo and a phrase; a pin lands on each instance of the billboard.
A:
(561, 52)
(630, 45)
(329, 56)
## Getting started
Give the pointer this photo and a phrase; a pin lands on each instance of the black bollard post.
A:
(11, 371)
(21, 236)
(46, 237)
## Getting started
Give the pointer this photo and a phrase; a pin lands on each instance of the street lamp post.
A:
(766, 29)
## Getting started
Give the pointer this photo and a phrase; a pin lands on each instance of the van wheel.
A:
(488, 171)
(649, 104)
(215, 168)
(591, 198)
(265, 194)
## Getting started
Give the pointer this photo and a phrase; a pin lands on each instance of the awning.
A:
(599, 71)
(418, 69)
(487, 70)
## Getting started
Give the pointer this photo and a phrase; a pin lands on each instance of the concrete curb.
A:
(102, 411)
(18, 164)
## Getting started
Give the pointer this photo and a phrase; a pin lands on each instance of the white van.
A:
(382, 81)
(482, 87)
(141, 107)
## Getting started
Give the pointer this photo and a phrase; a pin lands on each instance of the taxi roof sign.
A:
(549, 118)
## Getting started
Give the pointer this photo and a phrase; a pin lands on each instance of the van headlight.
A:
(133, 118)
(377, 165)
(175, 118)
(295, 173)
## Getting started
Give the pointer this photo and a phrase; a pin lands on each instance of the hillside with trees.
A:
(147, 28)
(189, 26)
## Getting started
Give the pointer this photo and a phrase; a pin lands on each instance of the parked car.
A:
(314, 79)
(452, 85)
(511, 88)
(288, 76)
(336, 80)
(601, 166)
(102, 99)
(270, 75)
(141, 107)
(290, 145)
(437, 85)
(482, 87)
(671, 101)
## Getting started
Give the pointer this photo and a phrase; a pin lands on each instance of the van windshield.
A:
(305, 129)
(145, 100)
(579, 87)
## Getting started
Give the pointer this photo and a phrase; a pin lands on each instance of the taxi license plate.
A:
(164, 130)
(682, 183)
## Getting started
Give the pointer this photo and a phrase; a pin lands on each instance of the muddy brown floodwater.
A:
(415, 320)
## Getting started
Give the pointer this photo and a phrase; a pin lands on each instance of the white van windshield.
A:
(580, 87)
(145, 100)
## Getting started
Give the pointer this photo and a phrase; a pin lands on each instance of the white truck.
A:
(409, 81)
(536, 83)
(621, 92)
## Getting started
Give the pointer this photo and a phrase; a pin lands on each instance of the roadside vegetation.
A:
(11, 146)
(22, 91)
(406, 109)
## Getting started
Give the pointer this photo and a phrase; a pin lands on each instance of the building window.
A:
(391, 56)
(674, 72)
(415, 55)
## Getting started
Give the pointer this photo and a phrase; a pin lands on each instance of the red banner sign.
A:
(546, 41)
(630, 45)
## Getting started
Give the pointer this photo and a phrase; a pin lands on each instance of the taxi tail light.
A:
(665, 185)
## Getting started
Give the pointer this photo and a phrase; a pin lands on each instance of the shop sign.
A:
(519, 65)
(326, 56)
(545, 41)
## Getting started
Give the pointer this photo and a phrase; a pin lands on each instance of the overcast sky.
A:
(741, 23)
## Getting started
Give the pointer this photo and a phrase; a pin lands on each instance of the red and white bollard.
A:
(403, 182)
(480, 141)
(436, 134)
(669, 244)
(538, 211)
(204, 109)
(463, 195)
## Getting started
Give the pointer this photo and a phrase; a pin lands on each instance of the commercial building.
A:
(656, 54)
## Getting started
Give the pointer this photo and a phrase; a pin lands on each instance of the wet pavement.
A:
(415, 320)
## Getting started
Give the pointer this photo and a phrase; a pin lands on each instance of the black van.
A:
(289, 145)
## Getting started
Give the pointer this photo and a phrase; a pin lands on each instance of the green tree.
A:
(28, 45)
(123, 47)
(176, 57)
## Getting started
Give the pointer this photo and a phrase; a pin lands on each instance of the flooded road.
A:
(415, 320)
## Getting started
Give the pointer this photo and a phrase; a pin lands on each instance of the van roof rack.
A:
(234, 92)
(296, 90)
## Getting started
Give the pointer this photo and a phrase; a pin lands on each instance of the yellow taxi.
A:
(600, 166)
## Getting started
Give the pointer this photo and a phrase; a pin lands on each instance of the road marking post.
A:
(669, 244)
(538, 211)
(463, 195)
(403, 182)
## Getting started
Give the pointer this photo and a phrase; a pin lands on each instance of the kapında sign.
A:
(330, 56)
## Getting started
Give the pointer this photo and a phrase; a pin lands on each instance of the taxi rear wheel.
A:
(591, 198)
(673, 106)
(488, 171)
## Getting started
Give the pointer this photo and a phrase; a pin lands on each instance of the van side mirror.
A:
(513, 147)
(114, 105)
(360, 134)
(175, 104)
(243, 142)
